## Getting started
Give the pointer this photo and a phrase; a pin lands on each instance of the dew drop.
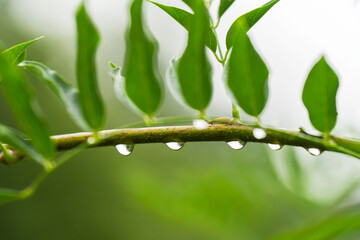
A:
(125, 149)
(275, 147)
(259, 133)
(91, 140)
(175, 146)
(200, 124)
(237, 145)
(314, 151)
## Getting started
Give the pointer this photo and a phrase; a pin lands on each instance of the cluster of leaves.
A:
(138, 84)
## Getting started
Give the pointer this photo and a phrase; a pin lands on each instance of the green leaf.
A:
(142, 80)
(194, 69)
(185, 19)
(16, 54)
(247, 21)
(87, 42)
(17, 140)
(7, 195)
(224, 5)
(119, 89)
(61, 88)
(21, 101)
(247, 76)
(319, 96)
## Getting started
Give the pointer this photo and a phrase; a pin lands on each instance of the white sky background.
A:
(291, 37)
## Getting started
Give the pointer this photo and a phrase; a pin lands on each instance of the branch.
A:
(214, 132)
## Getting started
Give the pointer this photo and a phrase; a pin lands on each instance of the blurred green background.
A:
(204, 191)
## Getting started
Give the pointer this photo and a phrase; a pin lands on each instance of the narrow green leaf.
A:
(142, 80)
(67, 94)
(224, 5)
(194, 69)
(185, 19)
(90, 99)
(16, 54)
(17, 140)
(20, 99)
(247, 76)
(7, 195)
(319, 96)
(247, 21)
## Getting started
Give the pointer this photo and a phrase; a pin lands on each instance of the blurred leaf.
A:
(335, 225)
(62, 89)
(16, 54)
(319, 96)
(226, 201)
(247, 76)
(7, 195)
(90, 99)
(20, 99)
(185, 19)
(224, 5)
(247, 21)
(194, 69)
(17, 140)
(295, 172)
(142, 80)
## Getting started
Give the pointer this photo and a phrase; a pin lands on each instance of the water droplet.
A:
(125, 149)
(91, 140)
(314, 151)
(237, 145)
(259, 133)
(175, 146)
(200, 124)
(275, 147)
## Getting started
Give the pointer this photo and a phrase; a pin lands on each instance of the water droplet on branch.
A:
(275, 147)
(200, 124)
(91, 140)
(175, 146)
(237, 145)
(314, 151)
(259, 133)
(125, 149)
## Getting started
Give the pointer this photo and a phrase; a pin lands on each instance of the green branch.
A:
(216, 131)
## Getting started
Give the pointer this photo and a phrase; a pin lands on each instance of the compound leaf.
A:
(319, 96)
(247, 21)
(87, 43)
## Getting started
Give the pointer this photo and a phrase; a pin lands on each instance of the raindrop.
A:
(200, 124)
(125, 149)
(314, 151)
(175, 146)
(259, 133)
(91, 140)
(237, 145)
(275, 147)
